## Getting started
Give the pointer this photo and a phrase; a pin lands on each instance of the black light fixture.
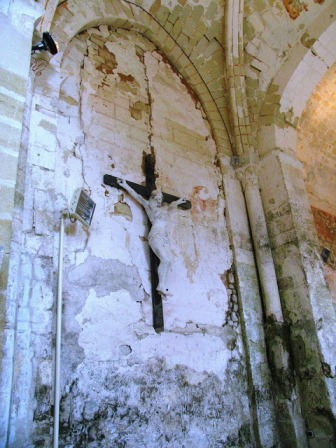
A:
(46, 44)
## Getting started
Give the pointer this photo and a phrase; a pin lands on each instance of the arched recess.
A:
(75, 164)
(44, 138)
(70, 19)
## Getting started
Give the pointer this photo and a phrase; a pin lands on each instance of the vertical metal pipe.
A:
(58, 335)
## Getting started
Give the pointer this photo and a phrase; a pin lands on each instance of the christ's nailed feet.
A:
(164, 292)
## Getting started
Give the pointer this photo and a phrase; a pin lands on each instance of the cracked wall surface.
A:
(191, 83)
(316, 150)
(118, 100)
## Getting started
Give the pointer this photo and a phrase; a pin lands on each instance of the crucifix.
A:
(152, 201)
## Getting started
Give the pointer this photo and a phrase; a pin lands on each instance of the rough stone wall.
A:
(316, 144)
(123, 383)
(316, 149)
(325, 224)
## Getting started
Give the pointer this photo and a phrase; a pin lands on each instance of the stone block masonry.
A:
(191, 83)
(118, 101)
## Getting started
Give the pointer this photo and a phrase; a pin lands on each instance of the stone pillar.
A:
(263, 414)
(306, 301)
(289, 419)
(17, 20)
(268, 283)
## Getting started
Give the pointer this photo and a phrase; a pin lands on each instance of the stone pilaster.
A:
(17, 21)
(263, 412)
(271, 299)
(289, 420)
(306, 301)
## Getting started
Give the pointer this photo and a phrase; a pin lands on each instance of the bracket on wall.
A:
(235, 161)
(325, 254)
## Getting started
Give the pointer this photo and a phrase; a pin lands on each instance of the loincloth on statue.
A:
(159, 242)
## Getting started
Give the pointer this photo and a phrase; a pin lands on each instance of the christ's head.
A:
(156, 197)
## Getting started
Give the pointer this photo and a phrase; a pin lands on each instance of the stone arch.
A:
(271, 59)
(69, 20)
(291, 89)
(309, 72)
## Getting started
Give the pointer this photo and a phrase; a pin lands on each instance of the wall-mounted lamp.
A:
(82, 207)
(46, 44)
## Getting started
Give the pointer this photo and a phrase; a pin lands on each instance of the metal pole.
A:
(58, 335)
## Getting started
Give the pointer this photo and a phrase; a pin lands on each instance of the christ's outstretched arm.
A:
(131, 192)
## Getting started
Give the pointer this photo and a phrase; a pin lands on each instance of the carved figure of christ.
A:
(158, 238)
(157, 206)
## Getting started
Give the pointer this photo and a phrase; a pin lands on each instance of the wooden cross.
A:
(146, 191)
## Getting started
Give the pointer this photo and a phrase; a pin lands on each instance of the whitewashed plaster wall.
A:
(92, 370)
(122, 382)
